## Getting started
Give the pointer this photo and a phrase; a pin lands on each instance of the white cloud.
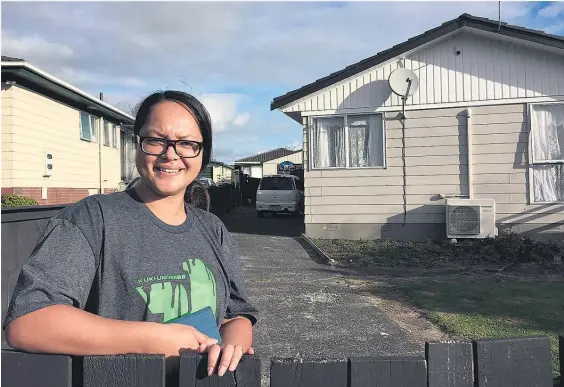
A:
(553, 10)
(36, 46)
(555, 29)
(223, 110)
(241, 119)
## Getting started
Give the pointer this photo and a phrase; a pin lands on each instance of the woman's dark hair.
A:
(197, 109)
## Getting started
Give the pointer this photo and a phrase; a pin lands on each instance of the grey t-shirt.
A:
(111, 256)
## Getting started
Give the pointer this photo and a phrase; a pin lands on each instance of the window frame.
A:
(347, 141)
(531, 161)
(93, 131)
(105, 129)
(115, 131)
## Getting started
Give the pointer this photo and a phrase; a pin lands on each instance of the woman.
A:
(109, 270)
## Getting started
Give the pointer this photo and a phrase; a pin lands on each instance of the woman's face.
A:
(169, 174)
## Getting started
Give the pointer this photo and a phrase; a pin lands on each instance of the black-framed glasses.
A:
(156, 146)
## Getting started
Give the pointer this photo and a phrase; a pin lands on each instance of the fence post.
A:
(124, 371)
(513, 362)
(308, 373)
(21, 369)
(193, 372)
(388, 371)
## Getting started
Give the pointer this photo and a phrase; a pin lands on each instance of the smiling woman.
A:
(128, 265)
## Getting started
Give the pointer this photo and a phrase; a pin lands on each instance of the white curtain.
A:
(547, 125)
(366, 139)
(328, 136)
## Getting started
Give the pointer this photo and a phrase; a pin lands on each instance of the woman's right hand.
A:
(169, 339)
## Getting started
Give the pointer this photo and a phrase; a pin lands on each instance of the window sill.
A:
(345, 168)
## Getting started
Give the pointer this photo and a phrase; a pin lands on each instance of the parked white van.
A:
(280, 193)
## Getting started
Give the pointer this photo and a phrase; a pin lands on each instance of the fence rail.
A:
(508, 362)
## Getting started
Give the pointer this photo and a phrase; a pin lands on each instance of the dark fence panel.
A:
(29, 369)
(222, 199)
(513, 362)
(193, 372)
(21, 228)
(516, 362)
(124, 371)
(308, 373)
(449, 364)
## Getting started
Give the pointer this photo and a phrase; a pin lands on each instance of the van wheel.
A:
(260, 214)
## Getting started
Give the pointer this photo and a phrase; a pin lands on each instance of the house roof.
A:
(464, 20)
(267, 156)
(219, 163)
(23, 73)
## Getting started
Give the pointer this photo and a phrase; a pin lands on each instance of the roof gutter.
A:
(66, 85)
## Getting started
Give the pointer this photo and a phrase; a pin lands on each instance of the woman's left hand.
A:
(230, 356)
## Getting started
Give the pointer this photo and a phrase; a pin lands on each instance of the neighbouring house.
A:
(267, 163)
(485, 123)
(219, 172)
(59, 144)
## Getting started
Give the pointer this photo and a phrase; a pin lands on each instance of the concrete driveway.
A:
(308, 309)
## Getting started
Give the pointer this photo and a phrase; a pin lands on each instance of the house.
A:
(219, 172)
(486, 122)
(59, 144)
(267, 163)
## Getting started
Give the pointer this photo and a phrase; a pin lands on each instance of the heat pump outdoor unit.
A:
(470, 218)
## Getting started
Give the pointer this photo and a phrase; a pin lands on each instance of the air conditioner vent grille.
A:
(465, 219)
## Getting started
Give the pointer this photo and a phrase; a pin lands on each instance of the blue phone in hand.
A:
(203, 320)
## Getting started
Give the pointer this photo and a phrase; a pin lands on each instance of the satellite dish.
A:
(403, 82)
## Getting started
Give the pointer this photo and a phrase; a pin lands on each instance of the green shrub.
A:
(11, 200)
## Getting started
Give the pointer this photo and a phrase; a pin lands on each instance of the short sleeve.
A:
(60, 270)
(238, 303)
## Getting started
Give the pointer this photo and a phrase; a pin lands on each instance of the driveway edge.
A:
(327, 260)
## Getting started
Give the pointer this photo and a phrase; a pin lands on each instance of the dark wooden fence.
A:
(510, 362)
(21, 227)
(223, 198)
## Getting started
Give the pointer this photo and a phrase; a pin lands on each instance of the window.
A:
(276, 184)
(88, 127)
(547, 130)
(351, 141)
(114, 136)
(106, 133)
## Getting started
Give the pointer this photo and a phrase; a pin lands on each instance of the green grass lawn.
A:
(486, 308)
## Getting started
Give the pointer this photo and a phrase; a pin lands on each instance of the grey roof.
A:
(26, 75)
(215, 162)
(268, 156)
(464, 20)
(10, 59)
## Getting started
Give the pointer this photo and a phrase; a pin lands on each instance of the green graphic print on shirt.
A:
(167, 294)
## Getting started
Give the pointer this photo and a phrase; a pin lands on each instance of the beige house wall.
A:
(34, 125)
(7, 136)
(368, 203)
(271, 167)
(222, 173)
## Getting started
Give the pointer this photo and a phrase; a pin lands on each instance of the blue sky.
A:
(235, 56)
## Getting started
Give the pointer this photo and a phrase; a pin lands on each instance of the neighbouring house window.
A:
(351, 141)
(88, 126)
(106, 133)
(114, 136)
(547, 129)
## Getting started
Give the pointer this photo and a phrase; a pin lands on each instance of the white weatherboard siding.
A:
(486, 70)
(271, 167)
(437, 163)
(34, 125)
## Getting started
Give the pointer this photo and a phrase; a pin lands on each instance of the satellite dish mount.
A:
(404, 83)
